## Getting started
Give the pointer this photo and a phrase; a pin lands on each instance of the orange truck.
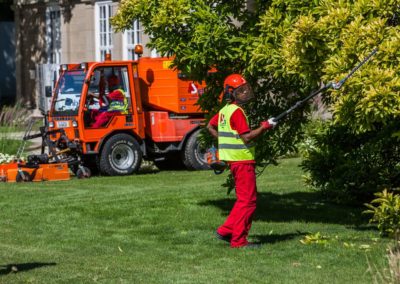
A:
(161, 123)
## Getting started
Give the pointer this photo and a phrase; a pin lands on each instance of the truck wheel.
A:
(121, 155)
(193, 155)
(23, 176)
(83, 173)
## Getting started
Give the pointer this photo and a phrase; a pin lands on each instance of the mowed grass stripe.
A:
(158, 228)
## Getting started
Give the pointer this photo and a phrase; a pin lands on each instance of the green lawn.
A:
(158, 228)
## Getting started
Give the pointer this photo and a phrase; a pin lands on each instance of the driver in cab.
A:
(113, 103)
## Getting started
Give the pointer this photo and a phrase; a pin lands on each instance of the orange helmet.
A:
(234, 80)
(236, 88)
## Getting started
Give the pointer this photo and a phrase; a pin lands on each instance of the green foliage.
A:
(324, 43)
(316, 238)
(9, 147)
(286, 49)
(13, 117)
(386, 213)
(206, 34)
(350, 167)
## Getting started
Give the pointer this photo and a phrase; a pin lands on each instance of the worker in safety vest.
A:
(115, 102)
(235, 147)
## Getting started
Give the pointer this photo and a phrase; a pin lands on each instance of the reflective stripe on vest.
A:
(118, 105)
(230, 146)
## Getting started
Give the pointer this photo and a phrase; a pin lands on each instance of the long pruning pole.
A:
(334, 85)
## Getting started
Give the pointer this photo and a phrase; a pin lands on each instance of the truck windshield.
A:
(68, 93)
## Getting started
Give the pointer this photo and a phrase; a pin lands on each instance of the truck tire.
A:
(23, 176)
(83, 173)
(193, 156)
(120, 155)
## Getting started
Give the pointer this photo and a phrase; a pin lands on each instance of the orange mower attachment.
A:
(21, 172)
(44, 167)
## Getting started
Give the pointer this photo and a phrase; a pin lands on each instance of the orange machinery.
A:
(20, 172)
(54, 165)
(166, 91)
(161, 124)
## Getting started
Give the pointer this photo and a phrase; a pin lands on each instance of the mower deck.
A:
(21, 172)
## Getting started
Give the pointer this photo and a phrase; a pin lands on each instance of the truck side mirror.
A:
(150, 76)
(48, 91)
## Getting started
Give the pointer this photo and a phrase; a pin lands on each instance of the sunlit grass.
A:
(157, 227)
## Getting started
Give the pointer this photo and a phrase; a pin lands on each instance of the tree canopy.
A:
(286, 49)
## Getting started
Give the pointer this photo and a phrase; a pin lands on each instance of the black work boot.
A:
(223, 238)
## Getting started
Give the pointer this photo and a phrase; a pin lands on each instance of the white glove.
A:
(272, 122)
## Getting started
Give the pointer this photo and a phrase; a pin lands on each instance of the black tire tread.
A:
(105, 167)
(189, 156)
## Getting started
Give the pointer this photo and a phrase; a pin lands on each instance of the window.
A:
(132, 37)
(53, 34)
(99, 81)
(104, 32)
(108, 96)
(68, 93)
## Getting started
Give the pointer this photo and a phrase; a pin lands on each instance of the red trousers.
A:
(238, 223)
(102, 118)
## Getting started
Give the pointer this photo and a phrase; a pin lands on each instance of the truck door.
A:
(107, 102)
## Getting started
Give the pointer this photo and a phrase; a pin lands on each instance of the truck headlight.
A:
(51, 124)
(74, 123)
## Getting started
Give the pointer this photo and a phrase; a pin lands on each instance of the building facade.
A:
(56, 32)
(7, 53)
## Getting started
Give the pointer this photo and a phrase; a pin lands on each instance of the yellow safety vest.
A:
(118, 105)
(230, 146)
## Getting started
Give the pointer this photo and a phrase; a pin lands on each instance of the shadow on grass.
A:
(20, 267)
(274, 238)
(298, 206)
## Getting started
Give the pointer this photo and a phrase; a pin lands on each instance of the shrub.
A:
(9, 146)
(12, 119)
(14, 116)
(5, 158)
(351, 167)
(387, 212)
(310, 130)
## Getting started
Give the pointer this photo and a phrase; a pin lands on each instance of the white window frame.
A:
(103, 33)
(53, 34)
(131, 38)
